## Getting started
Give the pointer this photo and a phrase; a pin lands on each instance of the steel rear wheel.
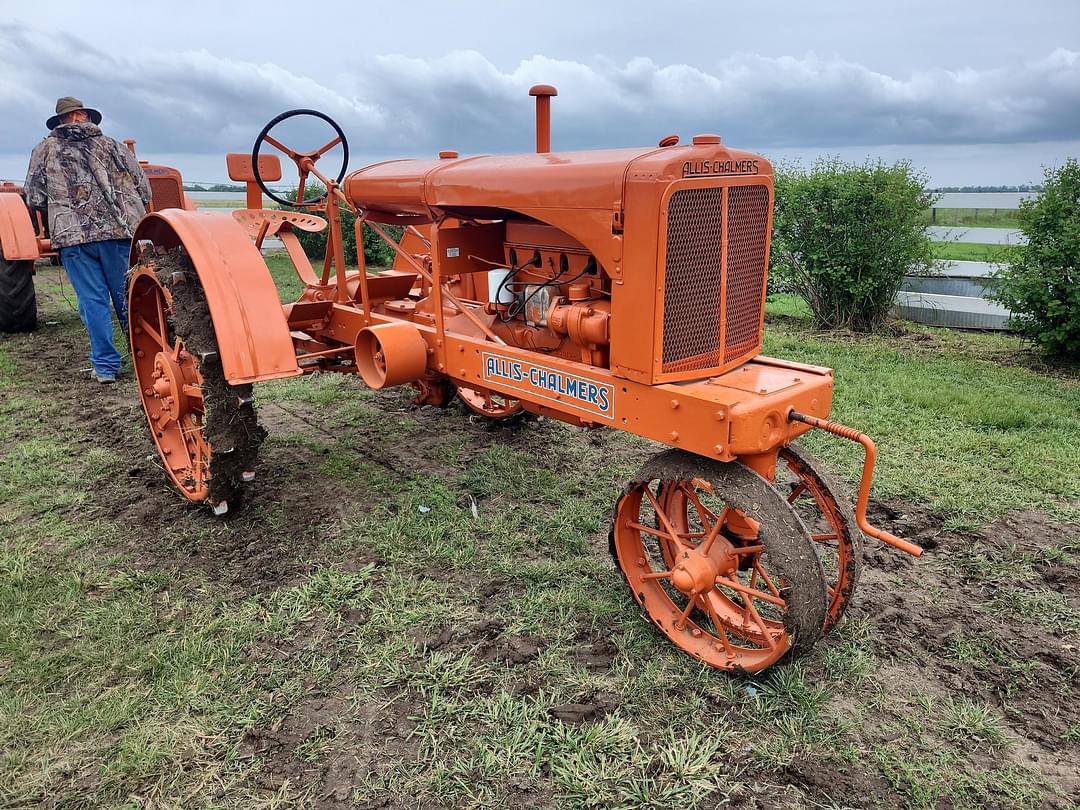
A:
(720, 562)
(490, 404)
(824, 504)
(205, 430)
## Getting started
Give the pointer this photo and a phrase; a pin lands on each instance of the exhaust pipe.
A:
(543, 93)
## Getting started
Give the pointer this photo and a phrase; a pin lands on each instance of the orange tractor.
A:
(618, 288)
(24, 240)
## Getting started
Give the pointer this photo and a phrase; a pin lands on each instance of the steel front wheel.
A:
(719, 561)
(204, 429)
(824, 504)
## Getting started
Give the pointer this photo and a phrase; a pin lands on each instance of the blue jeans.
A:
(98, 272)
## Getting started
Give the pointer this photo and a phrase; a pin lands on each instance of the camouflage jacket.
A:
(92, 187)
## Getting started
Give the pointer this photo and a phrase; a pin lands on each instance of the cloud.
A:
(192, 101)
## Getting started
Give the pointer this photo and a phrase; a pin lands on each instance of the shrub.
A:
(376, 252)
(1040, 284)
(845, 235)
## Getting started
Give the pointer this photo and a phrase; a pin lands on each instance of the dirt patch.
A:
(967, 623)
(333, 742)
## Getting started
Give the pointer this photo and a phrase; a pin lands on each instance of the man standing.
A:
(95, 194)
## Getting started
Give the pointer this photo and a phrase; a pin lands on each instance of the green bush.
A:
(845, 235)
(1040, 285)
(376, 252)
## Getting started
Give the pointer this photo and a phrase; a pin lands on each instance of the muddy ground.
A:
(966, 625)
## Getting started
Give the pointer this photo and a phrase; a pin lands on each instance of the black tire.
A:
(18, 303)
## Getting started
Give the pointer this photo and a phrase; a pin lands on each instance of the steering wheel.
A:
(305, 161)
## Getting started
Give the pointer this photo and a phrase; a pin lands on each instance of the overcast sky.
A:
(974, 92)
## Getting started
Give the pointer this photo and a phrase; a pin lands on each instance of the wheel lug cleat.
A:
(247, 476)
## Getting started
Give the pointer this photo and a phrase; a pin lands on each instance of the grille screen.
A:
(165, 192)
(747, 219)
(692, 280)
(694, 271)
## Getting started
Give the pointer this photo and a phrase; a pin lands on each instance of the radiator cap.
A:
(700, 139)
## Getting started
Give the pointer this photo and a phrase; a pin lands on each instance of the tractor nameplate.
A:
(540, 382)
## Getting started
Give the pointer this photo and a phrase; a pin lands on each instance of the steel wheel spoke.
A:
(706, 547)
(726, 582)
(680, 623)
(656, 575)
(718, 625)
(154, 334)
(759, 571)
(769, 639)
(702, 509)
(663, 535)
(672, 534)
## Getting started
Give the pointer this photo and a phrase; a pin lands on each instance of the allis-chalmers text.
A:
(697, 168)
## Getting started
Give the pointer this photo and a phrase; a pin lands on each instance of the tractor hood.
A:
(569, 181)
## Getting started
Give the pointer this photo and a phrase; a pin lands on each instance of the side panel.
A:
(17, 239)
(253, 336)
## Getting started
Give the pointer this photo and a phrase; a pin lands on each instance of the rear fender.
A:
(252, 334)
(18, 242)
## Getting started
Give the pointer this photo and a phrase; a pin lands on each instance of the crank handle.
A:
(851, 434)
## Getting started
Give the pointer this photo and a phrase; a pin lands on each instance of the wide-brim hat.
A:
(69, 104)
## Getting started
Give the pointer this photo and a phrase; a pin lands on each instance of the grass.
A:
(140, 665)
(971, 252)
(973, 217)
(239, 202)
(992, 433)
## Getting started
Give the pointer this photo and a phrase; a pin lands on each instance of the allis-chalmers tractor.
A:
(618, 288)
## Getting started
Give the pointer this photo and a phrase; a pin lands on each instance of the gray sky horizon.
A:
(973, 93)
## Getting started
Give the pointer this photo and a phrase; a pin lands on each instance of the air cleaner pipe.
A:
(853, 435)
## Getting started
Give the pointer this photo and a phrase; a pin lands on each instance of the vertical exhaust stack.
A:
(543, 93)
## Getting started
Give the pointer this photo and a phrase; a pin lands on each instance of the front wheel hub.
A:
(694, 572)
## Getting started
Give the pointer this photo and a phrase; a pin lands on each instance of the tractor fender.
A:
(252, 334)
(18, 242)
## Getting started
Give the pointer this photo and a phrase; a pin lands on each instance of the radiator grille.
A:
(747, 220)
(694, 273)
(165, 192)
(692, 280)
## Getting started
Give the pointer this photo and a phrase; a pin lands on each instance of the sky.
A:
(983, 92)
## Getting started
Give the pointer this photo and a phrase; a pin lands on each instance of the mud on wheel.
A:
(205, 430)
(719, 561)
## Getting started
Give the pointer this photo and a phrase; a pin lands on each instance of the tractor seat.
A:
(253, 221)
